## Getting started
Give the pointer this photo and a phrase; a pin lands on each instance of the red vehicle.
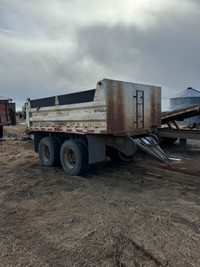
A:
(5, 114)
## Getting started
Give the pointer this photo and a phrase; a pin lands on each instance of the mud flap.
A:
(150, 146)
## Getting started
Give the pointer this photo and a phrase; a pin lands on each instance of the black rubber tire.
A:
(74, 157)
(49, 151)
(1, 131)
(59, 139)
(124, 157)
(117, 156)
(112, 153)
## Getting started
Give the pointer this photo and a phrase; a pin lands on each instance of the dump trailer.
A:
(4, 114)
(82, 128)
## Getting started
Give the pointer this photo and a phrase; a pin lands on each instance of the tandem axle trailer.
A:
(82, 128)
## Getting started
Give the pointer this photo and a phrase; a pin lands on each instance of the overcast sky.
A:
(51, 47)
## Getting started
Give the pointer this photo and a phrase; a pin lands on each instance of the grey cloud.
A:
(166, 53)
(38, 69)
(47, 51)
(35, 19)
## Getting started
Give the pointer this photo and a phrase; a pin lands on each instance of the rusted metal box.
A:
(114, 107)
(4, 113)
(131, 108)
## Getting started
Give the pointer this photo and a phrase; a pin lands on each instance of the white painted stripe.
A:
(64, 130)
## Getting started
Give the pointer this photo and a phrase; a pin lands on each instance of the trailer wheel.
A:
(1, 131)
(49, 151)
(73, 157)
(118, 156)
(124, 157)
(112, 153)
(59, 139)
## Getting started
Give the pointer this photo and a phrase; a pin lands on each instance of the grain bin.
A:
(188, 97)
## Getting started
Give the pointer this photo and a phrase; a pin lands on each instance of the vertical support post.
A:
(183, 142)
(28, 108)
(176, 125)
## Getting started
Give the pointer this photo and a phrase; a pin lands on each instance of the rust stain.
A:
(120, 108)
(153, 109)
(115, 108)
(155, 112)
(127, 111)
(4, 113)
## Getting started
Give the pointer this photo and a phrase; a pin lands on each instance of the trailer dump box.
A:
(114, 107)
(97, 122)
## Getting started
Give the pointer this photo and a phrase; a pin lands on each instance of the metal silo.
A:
(188, 97)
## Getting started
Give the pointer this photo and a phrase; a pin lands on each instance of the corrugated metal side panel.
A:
(4, 113)
(80, 118)
(113, 111)
(121, 107)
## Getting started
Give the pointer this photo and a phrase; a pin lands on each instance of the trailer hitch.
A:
(149, 145)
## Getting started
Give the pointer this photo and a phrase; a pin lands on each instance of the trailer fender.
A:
(37, 137)
(96, 148)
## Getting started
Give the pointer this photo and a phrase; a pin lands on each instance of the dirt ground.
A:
(138, 214)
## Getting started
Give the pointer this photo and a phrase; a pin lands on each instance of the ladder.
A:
(139, 109)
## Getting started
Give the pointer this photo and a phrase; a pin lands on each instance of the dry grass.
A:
(113, 216)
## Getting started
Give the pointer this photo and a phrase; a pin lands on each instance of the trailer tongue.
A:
(149, 145)
(83, 128)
